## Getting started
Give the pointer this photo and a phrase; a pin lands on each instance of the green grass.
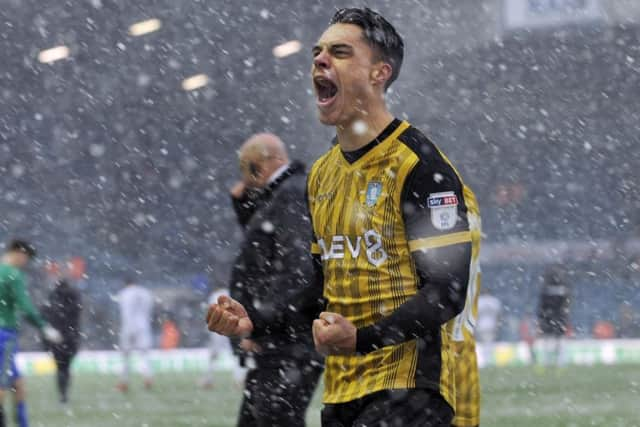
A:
(574, 397)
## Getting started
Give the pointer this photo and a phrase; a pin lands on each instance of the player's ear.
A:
(381, 73)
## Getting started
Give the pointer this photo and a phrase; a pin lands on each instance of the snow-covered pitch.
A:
(574, 396)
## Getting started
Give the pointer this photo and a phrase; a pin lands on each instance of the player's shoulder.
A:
(420, 144)
(431, 168)
(11, 273)
(322, 161)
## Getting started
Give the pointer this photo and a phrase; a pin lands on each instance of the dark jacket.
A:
(275, 266)
(63, 312)
(555, 301)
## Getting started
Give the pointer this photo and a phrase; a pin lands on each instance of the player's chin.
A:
(327, 121)
(329, 118)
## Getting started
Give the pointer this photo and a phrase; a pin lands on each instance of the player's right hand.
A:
(228, 317)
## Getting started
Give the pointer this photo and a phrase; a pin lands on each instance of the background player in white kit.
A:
(218, 346)
(489, 308)
(136, 307)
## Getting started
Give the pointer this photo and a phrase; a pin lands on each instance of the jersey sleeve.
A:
(24, 304)
(437, 229)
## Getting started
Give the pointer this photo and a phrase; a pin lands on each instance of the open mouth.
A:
(326, 90)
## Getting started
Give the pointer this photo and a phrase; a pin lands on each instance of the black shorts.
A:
(391, 408)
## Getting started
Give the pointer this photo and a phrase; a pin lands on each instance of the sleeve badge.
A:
(444, 210)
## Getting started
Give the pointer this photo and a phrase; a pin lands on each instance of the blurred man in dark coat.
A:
(274, 264)
(63, 313)
(553, 313)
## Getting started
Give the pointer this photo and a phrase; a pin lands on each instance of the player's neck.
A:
(362, 130)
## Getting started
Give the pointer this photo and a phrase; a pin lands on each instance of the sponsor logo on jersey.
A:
(444, 210)
(324, 196)
(339, 246)
(374, 190)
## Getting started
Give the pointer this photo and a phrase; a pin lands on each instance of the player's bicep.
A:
(437, 228)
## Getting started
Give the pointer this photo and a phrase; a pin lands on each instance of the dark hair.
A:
(379, 33)
(22, 246)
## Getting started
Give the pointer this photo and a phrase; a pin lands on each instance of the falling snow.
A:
(120, 125)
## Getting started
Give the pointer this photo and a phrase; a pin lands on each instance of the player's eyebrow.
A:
(332, 47)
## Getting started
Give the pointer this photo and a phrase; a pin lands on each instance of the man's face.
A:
(21, 259)
(342, 73)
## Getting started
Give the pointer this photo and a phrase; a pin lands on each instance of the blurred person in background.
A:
(170, 335)
(273, 266)
(220, 345)
(628, 322)
(63, 311)
(489, 309)
(14, 300)
(603, 330)
(553, 314)
(527, 331)
(136, 308)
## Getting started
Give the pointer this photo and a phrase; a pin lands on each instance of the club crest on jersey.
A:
(374, 190)
(444, 210)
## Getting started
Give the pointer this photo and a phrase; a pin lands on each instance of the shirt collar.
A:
(282, 169)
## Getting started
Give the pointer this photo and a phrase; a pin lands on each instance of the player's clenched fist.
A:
(334, 334)
(228, 317)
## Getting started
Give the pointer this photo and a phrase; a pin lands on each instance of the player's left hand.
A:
(333, 334)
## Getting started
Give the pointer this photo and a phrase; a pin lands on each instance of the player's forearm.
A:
(440, 298)
(35, 318)
(418, 317)
(25, 305)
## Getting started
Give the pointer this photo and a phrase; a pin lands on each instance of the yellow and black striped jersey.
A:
(467, 378)
(467, 384)
(392, 229)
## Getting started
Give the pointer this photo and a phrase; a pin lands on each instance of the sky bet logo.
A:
(441, 200)
(341, 245)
